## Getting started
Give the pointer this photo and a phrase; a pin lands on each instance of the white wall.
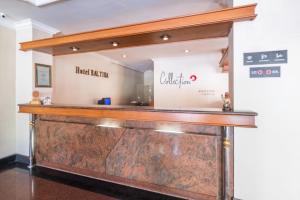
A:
(41, 58)
(209, 78)
(24, 77)
(26, 31)
(72, 88)
(7, 91)
(267, 159)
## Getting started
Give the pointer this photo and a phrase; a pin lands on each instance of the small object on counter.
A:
(138, 103)
(35, 98)
(151, 103)
(226, 102)
(46, 100)
(104, 101)
(143, 104)
(133, 103)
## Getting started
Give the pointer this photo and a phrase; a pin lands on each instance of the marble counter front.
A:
(185, 164)
(183, 153)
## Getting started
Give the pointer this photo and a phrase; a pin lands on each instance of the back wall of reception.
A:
(98, 77)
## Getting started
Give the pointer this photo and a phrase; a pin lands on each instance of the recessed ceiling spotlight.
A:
(165, 37)
(74, 48)
(3, 15)
(41, 2)
(124, 56)
(186, 51)
(115, 44)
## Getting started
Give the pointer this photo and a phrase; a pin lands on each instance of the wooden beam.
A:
(222, 16)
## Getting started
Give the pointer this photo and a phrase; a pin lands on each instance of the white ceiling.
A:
(72, 16)
(140, 58)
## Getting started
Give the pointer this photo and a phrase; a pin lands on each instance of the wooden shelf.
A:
(199, 26)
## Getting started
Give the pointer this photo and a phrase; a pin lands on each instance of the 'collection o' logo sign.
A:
(172, 79)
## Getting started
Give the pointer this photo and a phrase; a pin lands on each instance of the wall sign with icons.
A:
(263, 72)
(266, 57)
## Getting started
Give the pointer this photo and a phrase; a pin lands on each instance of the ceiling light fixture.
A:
(186, 51)
(40, 3)
(124, 56)
(74, 48)
(3, 15)
(165, 37)
(115, 44)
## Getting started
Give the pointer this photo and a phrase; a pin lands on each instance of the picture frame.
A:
(43, 75)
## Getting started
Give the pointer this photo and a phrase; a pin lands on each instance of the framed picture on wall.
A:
(42, 75)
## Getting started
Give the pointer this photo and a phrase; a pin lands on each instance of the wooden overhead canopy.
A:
(205, 25)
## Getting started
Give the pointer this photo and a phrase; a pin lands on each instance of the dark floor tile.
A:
(18, 184)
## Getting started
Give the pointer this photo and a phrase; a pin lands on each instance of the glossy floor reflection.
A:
(17, 184)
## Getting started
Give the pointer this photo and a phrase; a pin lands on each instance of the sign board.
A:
(179, 80)
(264, 72)
(91, 72)
(266, 57)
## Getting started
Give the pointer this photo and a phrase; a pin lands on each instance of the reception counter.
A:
(183, 153)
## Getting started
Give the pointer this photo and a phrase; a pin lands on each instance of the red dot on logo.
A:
(193, 77)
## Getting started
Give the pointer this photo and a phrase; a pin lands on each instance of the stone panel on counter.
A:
(75, 145)
(183, 161)
(187, 162)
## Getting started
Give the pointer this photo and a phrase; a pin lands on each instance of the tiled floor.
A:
(17, 184)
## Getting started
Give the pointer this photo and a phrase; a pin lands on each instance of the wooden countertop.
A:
(212, 117)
